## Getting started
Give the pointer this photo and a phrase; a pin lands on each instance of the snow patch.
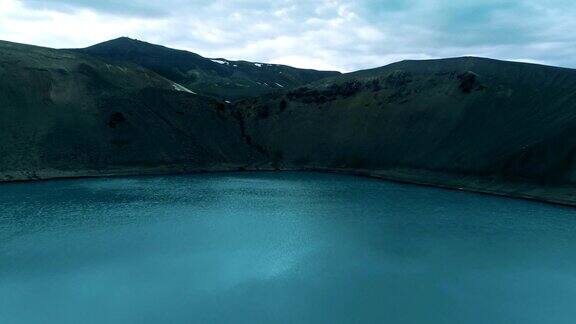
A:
(178, 87)
(258, 64)
(221, 62)
(226, 101)
(278, 84)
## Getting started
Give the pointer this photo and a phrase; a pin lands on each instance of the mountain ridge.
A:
(219, 78)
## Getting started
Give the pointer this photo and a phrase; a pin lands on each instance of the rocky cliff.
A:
(466, 122)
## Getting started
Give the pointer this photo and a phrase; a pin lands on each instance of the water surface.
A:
(279, 247)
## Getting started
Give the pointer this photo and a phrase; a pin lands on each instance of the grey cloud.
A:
(350, 34)
(118, 7)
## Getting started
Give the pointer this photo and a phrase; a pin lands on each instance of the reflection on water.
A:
(279, 247)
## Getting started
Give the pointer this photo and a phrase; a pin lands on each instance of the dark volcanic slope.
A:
(63, 113)
(465, 122)
(469, 123)
(220, 78)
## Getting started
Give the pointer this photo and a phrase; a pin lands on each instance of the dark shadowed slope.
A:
(220, 78)
(470, 123)
(467, 122)
(65, 114)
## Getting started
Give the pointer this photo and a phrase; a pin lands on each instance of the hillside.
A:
(467, 123)
(219, 78)
(66, 114)
(473, 123)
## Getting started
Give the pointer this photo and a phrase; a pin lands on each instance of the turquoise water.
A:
(279, 247)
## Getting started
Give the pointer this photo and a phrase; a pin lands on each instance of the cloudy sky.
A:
(322, 34)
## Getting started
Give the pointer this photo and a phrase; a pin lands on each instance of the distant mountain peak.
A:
(124, 41)
(215, 77)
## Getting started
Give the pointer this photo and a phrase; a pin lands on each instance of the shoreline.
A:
(557, 195)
